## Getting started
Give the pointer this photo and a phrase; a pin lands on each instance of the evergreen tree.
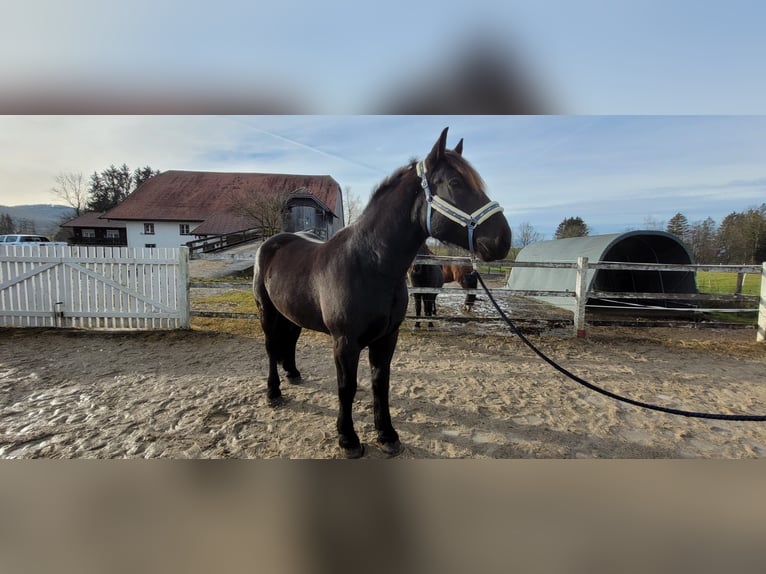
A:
(113, 185)
(572, 227)
(141, 174)
(7, 224)
(98, 195)
(742, 237)
(679, 226)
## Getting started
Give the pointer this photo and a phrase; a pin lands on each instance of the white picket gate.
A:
(94, 287)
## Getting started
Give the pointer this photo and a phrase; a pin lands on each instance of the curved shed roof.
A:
(633, 247)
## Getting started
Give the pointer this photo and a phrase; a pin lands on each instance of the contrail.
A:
(314, 148)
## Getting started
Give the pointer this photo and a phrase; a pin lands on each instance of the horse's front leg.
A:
(346, 365)
(381, 353)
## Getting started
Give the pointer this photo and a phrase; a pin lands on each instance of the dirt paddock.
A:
(201, 394)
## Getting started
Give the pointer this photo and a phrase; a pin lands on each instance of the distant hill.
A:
(45, 218)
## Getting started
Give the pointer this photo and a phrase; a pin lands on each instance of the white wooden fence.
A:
(94, 287)
(580, 294)
(121, 288)
(577, 291)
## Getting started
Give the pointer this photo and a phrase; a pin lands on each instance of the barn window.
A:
(88, 233)
(112, 233)
(184, 228)
(148, 228)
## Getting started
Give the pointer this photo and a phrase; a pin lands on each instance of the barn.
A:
(630, 247)
(175, 207)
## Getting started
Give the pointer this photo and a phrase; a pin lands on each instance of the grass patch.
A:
(248, 328)
(229, 301)
(719, 283)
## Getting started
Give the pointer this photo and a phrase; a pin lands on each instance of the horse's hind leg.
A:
(430, 305)
(418, 298)
(289, 333)
(381, 353)
(270, 323)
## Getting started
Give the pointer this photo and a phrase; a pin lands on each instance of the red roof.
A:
(93, 219)
(223, 223)
(198, 195)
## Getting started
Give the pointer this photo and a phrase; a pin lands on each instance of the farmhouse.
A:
(175, 207)
(91, 229)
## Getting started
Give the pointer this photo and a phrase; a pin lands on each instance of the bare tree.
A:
(70, 188)
(702, 241)
(267, 210)
(525, 234)
(651, 223)
(353, 205)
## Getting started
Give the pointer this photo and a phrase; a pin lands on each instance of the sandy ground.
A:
(457, 391)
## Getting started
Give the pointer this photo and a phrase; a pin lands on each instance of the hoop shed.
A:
(630, 247)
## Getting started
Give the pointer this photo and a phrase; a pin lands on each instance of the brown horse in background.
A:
(465, 276)
(421, 275)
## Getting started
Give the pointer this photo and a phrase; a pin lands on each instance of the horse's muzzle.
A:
(493, 248)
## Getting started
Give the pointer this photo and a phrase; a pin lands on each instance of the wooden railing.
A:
(218, 242)
(578, 291)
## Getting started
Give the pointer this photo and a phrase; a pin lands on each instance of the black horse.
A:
(425, 276)
(354, 285)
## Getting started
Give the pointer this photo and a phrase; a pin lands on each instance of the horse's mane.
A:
(391, 181)
(455, 161)
(465, 170)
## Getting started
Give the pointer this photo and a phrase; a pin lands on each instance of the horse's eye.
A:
(454, 181)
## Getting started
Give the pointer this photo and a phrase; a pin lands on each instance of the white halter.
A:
(469, 220)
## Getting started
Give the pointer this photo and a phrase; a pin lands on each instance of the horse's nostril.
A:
(493, 248)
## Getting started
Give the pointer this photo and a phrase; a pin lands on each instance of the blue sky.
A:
(343, 56)
(616, 172)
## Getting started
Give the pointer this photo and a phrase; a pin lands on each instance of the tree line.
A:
(103, 190)
(8, 225)
(740, 239)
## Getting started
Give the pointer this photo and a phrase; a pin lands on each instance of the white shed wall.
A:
(166, 233)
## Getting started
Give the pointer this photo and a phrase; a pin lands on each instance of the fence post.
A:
(740, 281)
(182, 288)
(581, 296)
(761, 336)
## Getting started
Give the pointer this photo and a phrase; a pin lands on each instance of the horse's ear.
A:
(437, 152)
(459, 147)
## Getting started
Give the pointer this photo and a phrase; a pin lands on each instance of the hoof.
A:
(294, 378)
(353, 452)
(391, 448)
(277, 401)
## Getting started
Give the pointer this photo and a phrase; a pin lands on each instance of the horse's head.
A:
(458, 210)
